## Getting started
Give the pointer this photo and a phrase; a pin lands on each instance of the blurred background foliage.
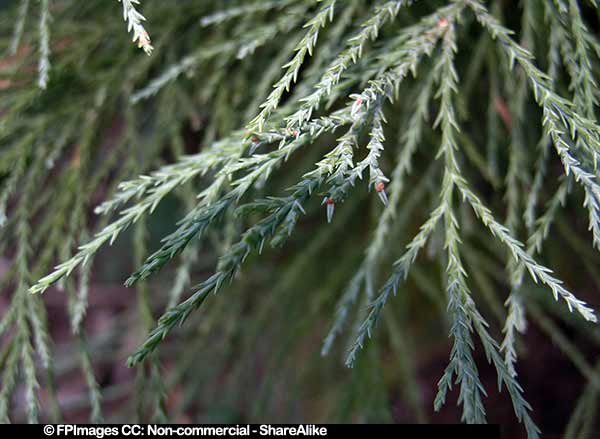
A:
(253, 352)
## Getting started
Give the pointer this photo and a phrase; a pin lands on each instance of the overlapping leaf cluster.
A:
(352, 72)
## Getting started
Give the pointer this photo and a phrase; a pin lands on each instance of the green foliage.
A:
(392, 81)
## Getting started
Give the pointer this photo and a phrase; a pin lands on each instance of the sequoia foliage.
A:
(346, 171)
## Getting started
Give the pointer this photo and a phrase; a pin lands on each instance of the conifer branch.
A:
(400, 273)
(304, 47)
(243, 11)
(432, 28)
(284, 214)
(134, 24)
(44, 61)
(351, 55)
(516, 177)
(352, 104)
(461, 306)
(462, 365)
(536, 271)
(562, 123)
(235, 48)
(19, 27)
